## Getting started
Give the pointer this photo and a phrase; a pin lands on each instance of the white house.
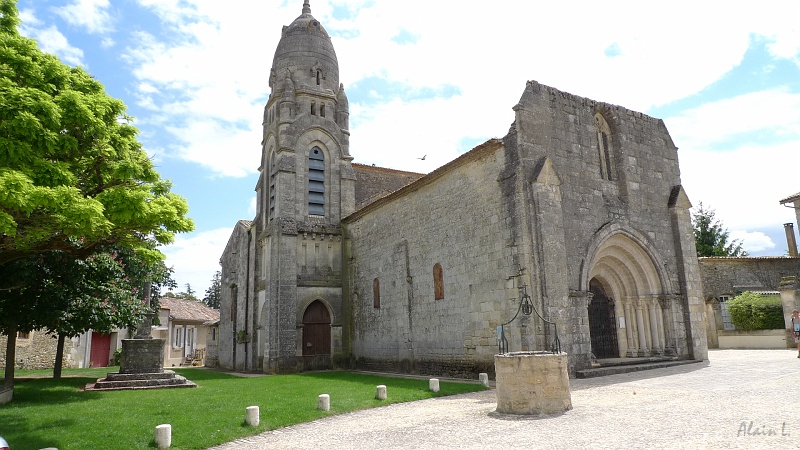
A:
(186, 325)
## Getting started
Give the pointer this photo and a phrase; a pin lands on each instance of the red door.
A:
(101, 348)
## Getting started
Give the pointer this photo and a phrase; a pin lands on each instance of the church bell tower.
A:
(305, 188)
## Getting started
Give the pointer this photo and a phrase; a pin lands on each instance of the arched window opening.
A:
(604, 150)
(376, 294)
(438, 282)
(316, 182)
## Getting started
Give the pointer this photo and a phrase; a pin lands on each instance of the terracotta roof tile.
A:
(188, 310)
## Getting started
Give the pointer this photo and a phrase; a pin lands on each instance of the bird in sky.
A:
(423, 157)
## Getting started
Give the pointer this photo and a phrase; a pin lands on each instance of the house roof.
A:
(188, 310)
(791, 198)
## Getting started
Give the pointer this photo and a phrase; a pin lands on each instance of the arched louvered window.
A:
(272, 175)
(316, 182)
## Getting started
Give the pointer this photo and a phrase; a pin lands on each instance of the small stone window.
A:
(376, 294)
(313, 108)
(319, 76)
(603, 147)
(23, 335)
(438, 282)
(322, 110)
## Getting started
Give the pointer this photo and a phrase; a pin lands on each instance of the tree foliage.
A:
(214, 292)
(751, 311)
(711, 237)
(78, 195)
(73, 176)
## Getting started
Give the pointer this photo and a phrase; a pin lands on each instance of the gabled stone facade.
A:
(580, 206)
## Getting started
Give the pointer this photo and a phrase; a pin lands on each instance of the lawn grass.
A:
(56, 413)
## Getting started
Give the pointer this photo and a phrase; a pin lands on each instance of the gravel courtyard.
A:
(736, 399)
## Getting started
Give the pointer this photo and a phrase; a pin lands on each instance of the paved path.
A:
(737, 399)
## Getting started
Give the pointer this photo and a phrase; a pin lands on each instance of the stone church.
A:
(579, 209)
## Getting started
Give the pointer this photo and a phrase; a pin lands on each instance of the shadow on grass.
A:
(22, 434)
(199, 374)
(50, 391)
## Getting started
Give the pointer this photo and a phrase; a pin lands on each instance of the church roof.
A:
(188, 310)
(304, 47)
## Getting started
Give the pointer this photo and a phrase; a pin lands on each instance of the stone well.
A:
(532, 383)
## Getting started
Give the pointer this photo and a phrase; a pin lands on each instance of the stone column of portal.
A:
(640, 325)
(656, 347)
(630, 328)
(660, 322)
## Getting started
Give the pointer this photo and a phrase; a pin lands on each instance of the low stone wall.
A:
(761, 339)
(37, 352)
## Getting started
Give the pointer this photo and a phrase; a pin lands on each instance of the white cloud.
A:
(757, 167)
(195, 257)
(754, 241)
(90, 14)
(53, 41)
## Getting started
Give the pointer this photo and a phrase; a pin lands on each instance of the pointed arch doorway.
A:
(602, 322)
(316, 337)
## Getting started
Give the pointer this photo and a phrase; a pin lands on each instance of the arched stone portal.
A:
(316, 337)
(624, 271)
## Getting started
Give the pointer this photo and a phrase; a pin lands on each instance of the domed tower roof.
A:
(306, 50)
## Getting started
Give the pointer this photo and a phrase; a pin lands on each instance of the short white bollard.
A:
(484, 378)
(324, 402)
(433, 384)
(164, 436)
(252, 416)
(380, 393)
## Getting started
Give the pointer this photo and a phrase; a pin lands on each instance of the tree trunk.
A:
(59, 357)
(11, 357)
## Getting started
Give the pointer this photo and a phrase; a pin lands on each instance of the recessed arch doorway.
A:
(628, 314)
(316, 337)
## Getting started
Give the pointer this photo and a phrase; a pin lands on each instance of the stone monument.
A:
(142, 362)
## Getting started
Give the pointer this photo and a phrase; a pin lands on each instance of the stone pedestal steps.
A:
(626, 365)
(159, 380)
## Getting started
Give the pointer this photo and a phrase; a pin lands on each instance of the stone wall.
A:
(453, 219)
(732, 276)
(37, 352)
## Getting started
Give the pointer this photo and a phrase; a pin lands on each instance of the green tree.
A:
(751, 311)
(73, 176)
(74, 179)
(214, 292)
(710, 236)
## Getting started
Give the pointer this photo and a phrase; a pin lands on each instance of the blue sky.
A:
(437, 77)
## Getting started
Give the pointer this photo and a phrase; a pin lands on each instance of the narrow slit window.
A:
(322, 110)
(316, 182)
(313, 109)
(376, 294)
(319, 76)
(438, 282)
(603, 147)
